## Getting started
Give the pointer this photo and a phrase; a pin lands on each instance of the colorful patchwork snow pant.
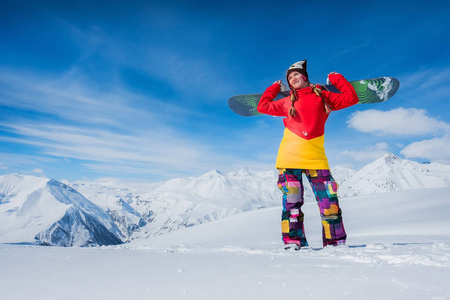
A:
(325, 190)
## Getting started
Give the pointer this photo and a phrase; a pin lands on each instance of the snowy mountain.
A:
(185, 202)
(114, 198)
(51, 213)
(110, 211)
(340, 174)
(391, 173)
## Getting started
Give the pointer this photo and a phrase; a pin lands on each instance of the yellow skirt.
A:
(298, 153)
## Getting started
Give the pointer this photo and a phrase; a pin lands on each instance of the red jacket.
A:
(310, 119)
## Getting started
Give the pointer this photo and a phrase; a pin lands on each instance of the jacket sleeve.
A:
(346, 98)
(268, 106)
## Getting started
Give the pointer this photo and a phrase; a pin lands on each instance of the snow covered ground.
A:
(398, 248)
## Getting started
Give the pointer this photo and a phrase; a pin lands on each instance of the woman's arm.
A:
(346, 98)
(268, 106)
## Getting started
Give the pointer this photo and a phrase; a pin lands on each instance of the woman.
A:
(302, 152)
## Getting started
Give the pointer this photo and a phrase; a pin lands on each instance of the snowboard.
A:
(368, 90)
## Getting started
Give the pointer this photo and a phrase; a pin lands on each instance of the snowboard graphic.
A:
(368, 90)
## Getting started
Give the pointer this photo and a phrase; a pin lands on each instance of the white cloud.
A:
(435, 150)
(371, 153)
(399, 121)
(38, 170)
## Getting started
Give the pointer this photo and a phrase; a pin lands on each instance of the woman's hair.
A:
(292, 110)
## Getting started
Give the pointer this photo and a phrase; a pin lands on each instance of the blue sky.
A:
(139, 89)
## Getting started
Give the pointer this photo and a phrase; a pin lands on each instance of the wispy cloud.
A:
(114, 131)
(352, 48)
(69, 99)
(145, 152)
(425, 79)
(430, 85)
(24, 163)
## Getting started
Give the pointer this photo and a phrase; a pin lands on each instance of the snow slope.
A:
(403, 214)
(398, 248)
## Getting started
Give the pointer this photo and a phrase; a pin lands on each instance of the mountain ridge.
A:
(111, 212)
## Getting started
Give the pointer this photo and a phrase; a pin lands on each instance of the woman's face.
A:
(296, 80)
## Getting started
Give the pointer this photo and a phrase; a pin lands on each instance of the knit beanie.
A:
(300, 67)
